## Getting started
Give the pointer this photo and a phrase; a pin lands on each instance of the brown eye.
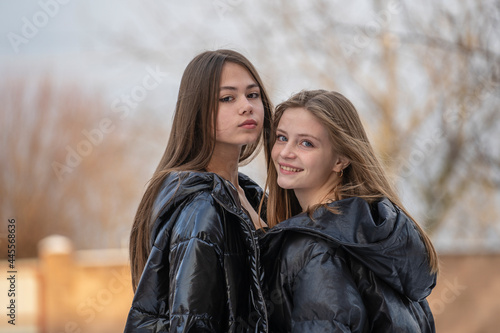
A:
(226, 99)
(253, 95)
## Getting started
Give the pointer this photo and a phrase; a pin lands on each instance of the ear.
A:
(341, 163)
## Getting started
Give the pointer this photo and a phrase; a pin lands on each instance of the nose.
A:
(288, 151)
(246, 106)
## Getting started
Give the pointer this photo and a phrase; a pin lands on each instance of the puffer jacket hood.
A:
(380, 236)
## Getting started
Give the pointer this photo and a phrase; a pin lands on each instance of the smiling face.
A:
(305, 158)
(241, 112)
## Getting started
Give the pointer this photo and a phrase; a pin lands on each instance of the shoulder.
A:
(179, 186)
(299, 249)
(185, 208)
(200, 217)
(250, 186)
(296, 242)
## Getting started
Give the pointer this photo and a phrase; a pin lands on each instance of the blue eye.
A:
(307, 144)
(281, 138)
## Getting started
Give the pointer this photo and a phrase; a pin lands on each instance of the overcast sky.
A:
(90, 41)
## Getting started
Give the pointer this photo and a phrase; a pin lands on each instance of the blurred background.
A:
(87, 93)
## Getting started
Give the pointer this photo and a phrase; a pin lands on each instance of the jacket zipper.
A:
(257, 255)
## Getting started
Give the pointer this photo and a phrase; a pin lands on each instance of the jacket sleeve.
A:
(325, 297)
(197, 291)
(197, 297)
(182, 288)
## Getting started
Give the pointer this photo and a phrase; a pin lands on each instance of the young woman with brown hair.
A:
(347, 257)
(193, 247)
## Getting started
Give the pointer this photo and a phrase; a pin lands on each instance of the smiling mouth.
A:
(290, 169)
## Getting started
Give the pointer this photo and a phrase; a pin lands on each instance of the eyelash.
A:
(282, 138)
(310, 145)
(279, 136)
(225, 99)
(251, 96)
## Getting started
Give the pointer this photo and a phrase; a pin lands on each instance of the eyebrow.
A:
(250, 86)
(300, 135)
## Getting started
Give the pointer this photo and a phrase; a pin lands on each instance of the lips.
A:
(249, 124)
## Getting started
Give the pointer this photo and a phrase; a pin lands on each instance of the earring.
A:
(341, 173)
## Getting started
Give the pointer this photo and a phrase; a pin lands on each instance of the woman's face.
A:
(241, 112)
(304, 157)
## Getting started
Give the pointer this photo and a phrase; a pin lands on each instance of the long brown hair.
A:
(364, 177)
(191, 142)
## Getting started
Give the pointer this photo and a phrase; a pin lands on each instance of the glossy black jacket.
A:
(363, 270)
(203, 273)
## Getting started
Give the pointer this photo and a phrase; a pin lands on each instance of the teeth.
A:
(289, 169)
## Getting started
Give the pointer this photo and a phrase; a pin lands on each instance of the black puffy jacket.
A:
(363, 270)
(203, 273)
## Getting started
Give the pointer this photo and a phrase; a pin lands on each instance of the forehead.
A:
(301, 118)
(233, 73)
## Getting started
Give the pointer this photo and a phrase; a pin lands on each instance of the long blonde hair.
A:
(364, 177)
(191, 141)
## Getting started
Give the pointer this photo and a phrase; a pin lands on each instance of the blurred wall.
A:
(90, 291)
(82, 291)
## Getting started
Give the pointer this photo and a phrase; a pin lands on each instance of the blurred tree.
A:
(70, 165)
(425, 78)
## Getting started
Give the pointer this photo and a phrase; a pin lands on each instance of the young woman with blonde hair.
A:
(194, 252)
(343, 254)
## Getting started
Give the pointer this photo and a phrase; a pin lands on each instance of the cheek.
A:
(325, 168)
(275, 153)
(258, 110)
(259, 107)
(223, 113)
(222, 123)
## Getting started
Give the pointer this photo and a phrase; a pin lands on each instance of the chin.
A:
(285, 186)
(250, 140)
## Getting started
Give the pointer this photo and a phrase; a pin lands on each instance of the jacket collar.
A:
(227, 194)
(358, 224)
(181, 184)
(379, 235)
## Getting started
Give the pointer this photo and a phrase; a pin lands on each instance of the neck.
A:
(305, 200)
(224, 162)
(310, 198)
